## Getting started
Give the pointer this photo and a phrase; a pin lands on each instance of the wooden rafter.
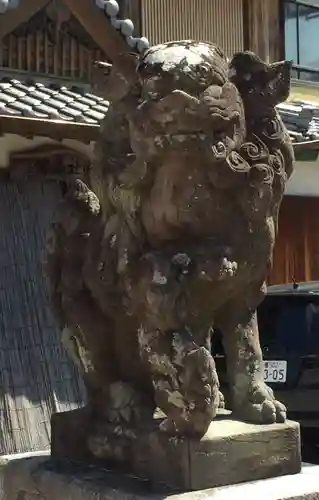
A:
(13, 18)
(98, 27)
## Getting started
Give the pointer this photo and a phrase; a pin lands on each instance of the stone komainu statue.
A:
(173, 239)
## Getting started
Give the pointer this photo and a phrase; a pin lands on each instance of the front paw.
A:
(260, 406)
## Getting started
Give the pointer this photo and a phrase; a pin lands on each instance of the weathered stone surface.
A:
(42, 479)
(229, 453)
(233, 452)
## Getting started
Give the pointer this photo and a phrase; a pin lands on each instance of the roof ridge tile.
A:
(111, 9)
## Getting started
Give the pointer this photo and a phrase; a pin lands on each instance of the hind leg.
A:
(252, 399)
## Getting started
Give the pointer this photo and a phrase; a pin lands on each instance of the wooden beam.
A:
(52, 160)
(57, 130)
(276, 35)
(14, 17)
(98, 26)
(262, 28)
(258, 27)
(44, 151)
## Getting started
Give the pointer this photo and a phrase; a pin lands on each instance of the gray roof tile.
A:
(79, 106)
(7, 110)
(91, 96)
(57, 102)
(5, 98)
(30, 100)
(94, 114)
(301, 119)
(54, 103)
(100, 108)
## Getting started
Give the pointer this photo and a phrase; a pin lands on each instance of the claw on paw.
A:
(261, 407)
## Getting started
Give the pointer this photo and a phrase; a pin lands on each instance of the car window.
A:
(289, 324)
(313, 321)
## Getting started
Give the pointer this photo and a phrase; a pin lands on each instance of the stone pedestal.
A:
(231, 452)
(42, 479)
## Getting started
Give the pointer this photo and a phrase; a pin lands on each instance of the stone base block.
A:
(231, 452)
(33, 479)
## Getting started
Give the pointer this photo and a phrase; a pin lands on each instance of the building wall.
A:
(304, 180)
(296, 253)
(218, 21)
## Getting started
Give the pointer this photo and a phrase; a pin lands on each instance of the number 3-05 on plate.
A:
(275, 371)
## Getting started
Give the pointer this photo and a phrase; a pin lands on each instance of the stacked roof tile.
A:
(50, 102)
(301, 119)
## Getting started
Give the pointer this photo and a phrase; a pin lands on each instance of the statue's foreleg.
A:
(183, 373)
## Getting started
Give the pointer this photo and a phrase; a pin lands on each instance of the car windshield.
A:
(289, 324)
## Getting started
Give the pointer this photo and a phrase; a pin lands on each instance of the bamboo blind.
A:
(36, 376)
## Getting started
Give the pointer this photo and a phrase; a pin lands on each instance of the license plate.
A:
(275, 371)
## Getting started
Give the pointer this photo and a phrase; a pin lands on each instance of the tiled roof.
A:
(50, 102)
(301, 119)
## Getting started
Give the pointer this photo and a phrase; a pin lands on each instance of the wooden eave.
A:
(13, 18)
(54, 129)
(98, 26)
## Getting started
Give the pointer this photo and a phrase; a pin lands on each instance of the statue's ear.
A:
(244, 66)
(279, 79)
